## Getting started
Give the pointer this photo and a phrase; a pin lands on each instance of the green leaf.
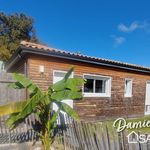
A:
(53, 120)
(66, 94)
(22, 79)
(24, 82)
(46, 100)
(13, 121)
(26, 110)
(54, 116)
(68, 74)
(61, 85)
(75, 83)
(66, 108)
(16, 85)
(31, 105)
(13, 107)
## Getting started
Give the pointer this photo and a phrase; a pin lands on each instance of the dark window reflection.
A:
(88, 87)
(100, 86)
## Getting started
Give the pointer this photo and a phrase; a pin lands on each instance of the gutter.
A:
(24, 50)
(9, 64)
(75, 58)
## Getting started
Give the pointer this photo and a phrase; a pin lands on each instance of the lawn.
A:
(132, 121)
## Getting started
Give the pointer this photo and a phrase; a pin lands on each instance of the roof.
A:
(29, 47)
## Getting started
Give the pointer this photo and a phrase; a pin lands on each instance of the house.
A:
(133, 137)
(113, 88)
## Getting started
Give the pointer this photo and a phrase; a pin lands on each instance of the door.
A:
(57, 76)
(147, 99)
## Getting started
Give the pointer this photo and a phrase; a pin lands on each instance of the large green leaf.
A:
(66, 94)
(61, 85)
(29, 108)
(22, 81)
(70, 111)
(46, 99)
(13, 120)
(31, 105)
(74, 83)
(13, 107)
(16, 85)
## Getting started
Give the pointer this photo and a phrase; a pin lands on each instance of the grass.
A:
(146, 130)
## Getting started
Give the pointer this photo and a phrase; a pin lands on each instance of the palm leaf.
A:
(22, 81)
(31, 105)
(13, 107)
(29, 108)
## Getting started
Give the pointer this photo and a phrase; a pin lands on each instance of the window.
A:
(128, 88)
(97, 86)
(59, 75)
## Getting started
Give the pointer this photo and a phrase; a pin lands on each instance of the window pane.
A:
(88, 87)
(100, 86)
(58, 76)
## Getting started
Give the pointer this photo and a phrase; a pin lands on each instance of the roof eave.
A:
(15, 58)
(77, 58)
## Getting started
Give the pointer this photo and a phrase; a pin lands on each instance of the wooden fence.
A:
(23, 133)
(98, 136)
(73, 136)
(8, 94)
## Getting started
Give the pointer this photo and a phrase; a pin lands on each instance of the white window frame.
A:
(131, 82)
(108, 87)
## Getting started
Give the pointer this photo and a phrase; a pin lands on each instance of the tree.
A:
(13, 29)
(40, 103)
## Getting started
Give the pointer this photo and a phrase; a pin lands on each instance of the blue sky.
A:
(118, 30)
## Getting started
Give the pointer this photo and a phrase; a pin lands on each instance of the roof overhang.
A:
(22, 51)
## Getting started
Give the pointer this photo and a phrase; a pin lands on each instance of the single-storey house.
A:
(113, 88)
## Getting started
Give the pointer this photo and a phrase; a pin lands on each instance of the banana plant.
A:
(40, 104)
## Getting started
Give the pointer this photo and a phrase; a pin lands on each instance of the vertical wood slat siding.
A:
(95, 108)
